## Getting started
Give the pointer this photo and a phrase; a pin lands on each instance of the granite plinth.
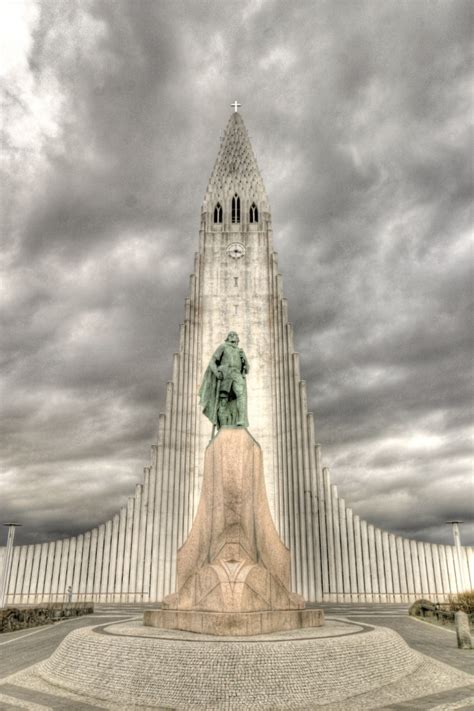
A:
(233, 623)
(233, 571)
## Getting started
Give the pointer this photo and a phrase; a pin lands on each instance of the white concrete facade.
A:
(236, 286)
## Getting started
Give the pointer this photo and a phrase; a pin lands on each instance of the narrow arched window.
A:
(218, 213)
(236, 208)
(253, 216)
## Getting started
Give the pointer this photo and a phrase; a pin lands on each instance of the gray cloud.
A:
(358, 117)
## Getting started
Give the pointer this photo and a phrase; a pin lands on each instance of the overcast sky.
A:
(359, 115)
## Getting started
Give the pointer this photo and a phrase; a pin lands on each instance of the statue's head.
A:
(232, 338)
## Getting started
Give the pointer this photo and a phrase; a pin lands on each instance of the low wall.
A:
(434, 612)
(19, 618)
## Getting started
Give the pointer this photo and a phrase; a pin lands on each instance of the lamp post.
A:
(458, 549)
(456, 532)
(7, 564)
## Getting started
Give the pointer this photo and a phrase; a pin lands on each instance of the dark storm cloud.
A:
(358, 116)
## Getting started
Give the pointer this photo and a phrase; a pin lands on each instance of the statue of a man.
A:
(223, 393)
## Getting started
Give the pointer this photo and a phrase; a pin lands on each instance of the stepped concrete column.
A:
(129, 515)
(359, 559)
(98, 563)
(387, 567)
(13, 573)
(394, 565)
(21, 575)
(429, 569)
(27, 577)
(458, 556)
(104, 581)
(77, 566)
(91, 565)
(5, 580)
(121, 550)
(380, 565)
(85, 564)
(42, 572)
(337, 544)
(135, 540)
(409, 567)
(330, 535)
(437, 572)
(34, 572)
(54, 589)
(366, 559)
(402, 569)
(113, 559)
(71, 556)
(63, 570)
(352, 555)
(48, 571)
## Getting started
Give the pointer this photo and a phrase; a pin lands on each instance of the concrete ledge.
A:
(233, 623)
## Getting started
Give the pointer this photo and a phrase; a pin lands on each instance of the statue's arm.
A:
(245, 363)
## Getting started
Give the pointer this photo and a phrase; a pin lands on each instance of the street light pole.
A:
(7, 564)
(456, 532)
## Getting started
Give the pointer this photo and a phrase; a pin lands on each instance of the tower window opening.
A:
(236, 208)
(218, 214)
(253, 217)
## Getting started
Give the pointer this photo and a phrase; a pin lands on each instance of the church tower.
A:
(235, 281)
(335, 556)
(236, 286)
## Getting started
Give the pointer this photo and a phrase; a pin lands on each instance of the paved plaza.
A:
(20, 651)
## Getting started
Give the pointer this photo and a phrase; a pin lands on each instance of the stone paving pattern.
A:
(432, 687)
(254, 673)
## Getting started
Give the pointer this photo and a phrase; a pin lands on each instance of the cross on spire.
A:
(236, 106)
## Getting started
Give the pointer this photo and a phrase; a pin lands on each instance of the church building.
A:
(335, 556)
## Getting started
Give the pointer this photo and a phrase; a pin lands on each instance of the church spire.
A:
(235, 175)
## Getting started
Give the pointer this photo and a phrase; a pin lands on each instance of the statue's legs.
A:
(223, 412)
(238, 387)
(232, 408)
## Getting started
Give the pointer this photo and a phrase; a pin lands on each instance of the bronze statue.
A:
(223, 392)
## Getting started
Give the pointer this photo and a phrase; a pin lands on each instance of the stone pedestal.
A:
(233, 571)
(234, 623)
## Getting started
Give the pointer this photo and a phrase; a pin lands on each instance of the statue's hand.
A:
(220, 375)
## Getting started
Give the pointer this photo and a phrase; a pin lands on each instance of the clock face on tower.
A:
(236, 250)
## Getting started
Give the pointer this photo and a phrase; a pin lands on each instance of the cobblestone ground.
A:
(19, 651)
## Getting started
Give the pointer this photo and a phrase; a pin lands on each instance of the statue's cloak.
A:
(208, 395)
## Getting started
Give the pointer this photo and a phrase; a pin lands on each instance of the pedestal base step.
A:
(233, 623)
